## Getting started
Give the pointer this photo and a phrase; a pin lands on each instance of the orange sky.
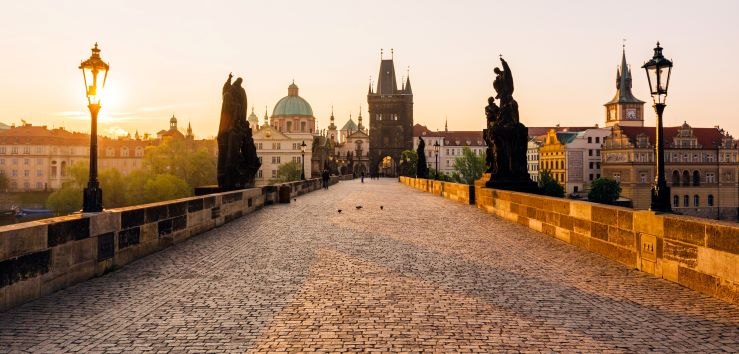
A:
(172, 57)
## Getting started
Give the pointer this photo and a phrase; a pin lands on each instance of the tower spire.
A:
(446, 126)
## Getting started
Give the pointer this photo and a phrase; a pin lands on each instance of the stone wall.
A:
(462, 193)
(41, 257)
(697, 253)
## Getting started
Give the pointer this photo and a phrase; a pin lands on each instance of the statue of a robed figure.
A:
(506, 138)
(237, 155)
(422, 170)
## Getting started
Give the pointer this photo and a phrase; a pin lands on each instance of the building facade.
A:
(700, 166)
(451, 145)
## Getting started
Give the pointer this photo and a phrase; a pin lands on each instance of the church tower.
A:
(624, 109)
(390, 116)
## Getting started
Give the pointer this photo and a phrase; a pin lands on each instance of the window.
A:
(590, 140)
(275, 146)
(26, 162)
(617, 176)
(274, 173)
(15, 173)
(26, 173)
(275, 159)
(710, 177)
(597, 152)
(259, 174)
(597, 140)
(592, 164)
(590, 152)
(2, 149)
(597, 165)
(26, 150)
(710, 200)
(686, 200)
(39, 173)
(696, 178)
(686, 178)
(302, 127)
(591, 176)
(259, 146)
(675, 201)
(643, 177)
(14, 150)
(696, 200)
(675, 178)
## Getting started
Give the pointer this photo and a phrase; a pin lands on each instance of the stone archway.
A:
(387, 166)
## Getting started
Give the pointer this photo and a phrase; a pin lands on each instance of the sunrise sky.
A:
(172, 57)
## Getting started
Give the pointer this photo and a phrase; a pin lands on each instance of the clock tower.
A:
(624, 109)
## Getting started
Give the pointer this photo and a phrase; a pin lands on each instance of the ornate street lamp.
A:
(436, 152)
(658, 74)
(94, 72)
(302, 152)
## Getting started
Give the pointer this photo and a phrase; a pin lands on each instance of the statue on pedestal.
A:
(506, 138)
(237, 155)
(422, 170)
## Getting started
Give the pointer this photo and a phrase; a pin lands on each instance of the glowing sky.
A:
(172, 57)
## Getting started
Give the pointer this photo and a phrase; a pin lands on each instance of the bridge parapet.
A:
(43, 256)
(697, 253)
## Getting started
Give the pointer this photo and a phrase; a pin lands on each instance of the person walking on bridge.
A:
(325, 177)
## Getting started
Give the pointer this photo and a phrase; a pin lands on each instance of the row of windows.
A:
(590, 140)
(686, 200)
(552, 165)
(288, 128)
(26, 185)
(686, 179)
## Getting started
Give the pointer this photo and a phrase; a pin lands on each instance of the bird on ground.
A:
(380, 207)
(339, 211)
(295, 199)
(359, 207)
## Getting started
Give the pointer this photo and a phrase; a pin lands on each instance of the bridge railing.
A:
(697, 253)
(41, 257)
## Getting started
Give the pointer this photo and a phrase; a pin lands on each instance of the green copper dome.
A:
(292, 104)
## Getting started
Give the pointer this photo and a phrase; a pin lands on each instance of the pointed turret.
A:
(360, 127)
(266, 118)
(253, 119)
(408, 85)
(331, 125)
(386, 82)
(189, 132)
(624, 109)
(136, 136)
(446, 124)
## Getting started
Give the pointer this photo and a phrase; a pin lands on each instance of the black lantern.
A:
(94, 73)
(436, 152)
(658, 73)
(302, 153)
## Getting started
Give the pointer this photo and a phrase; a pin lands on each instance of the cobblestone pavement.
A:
(422, 274)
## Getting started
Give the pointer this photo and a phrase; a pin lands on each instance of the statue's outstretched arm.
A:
(509, 75)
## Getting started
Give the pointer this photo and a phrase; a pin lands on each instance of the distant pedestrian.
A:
(325, 176)
(362, 177)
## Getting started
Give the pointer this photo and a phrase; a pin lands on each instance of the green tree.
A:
(469, 167)
(408, 163)
(549, 186)
(175, 157)
(288, 172)
(113, 184)
(165, 187)
(66, 200)
(604, 190)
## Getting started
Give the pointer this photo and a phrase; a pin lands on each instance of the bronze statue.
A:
(422, 170)
(506, 137)
(237, 155)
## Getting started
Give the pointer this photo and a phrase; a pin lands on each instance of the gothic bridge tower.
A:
(390, 118)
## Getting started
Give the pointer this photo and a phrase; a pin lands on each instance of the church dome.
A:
(292, 104)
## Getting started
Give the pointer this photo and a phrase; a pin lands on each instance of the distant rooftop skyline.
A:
(171, 57)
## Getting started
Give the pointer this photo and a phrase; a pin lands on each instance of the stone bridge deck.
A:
(424, 273)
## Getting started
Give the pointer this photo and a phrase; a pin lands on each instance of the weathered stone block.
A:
(549, 229)
(562, 234)
(580, 210)
(19, 239)
(718, 263)
(579, 240)
(104, 223)
(723, 237)
(133, 218)
(156, 213)
(77, 228)
(535, 225)
(685, 230)
(619, 254)
(625, 220)
(177, 209)
(195, 205)
(680, 252)
(648, 222)
(522, 220)
(622, 237)
(24, 267)
(599, 231)
(565, 222)
(106, 246)
(129, 237)
(707, 284)
(581, 226)
(604, 215)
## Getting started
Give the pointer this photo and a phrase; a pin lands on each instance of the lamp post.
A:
(302, 153)
(94, 72)
(436, 152)
(658, 74)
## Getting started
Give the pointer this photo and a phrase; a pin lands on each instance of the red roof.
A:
(707, 137)
(452, 138)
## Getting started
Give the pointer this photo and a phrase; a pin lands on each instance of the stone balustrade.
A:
(43, 256)
(698, 253)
